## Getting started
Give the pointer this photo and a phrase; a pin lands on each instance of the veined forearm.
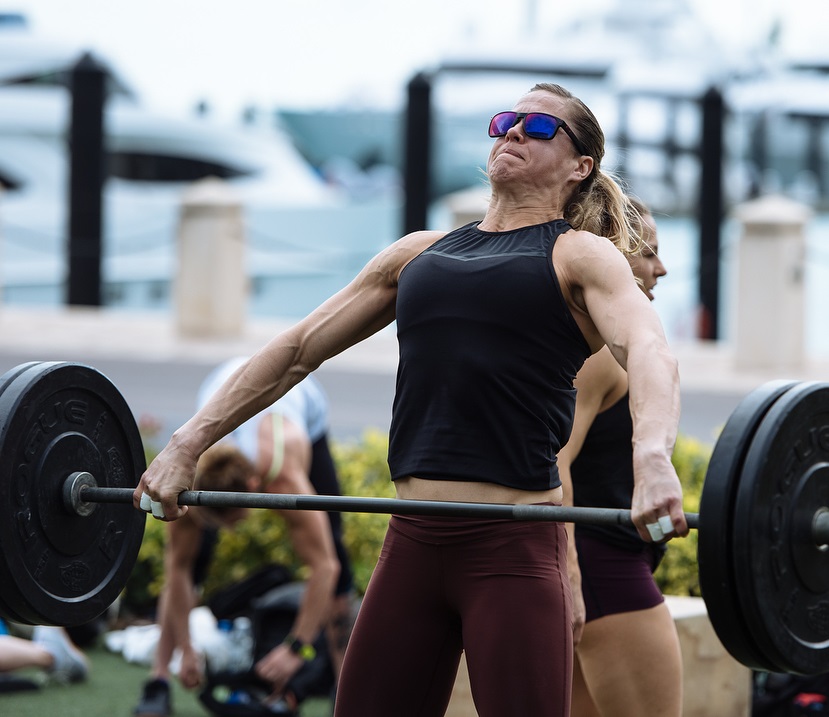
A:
(653, 378)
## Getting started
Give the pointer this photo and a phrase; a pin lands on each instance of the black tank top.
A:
(603, 473)
(488, 354)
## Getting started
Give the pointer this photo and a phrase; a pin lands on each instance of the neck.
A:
(499, 218)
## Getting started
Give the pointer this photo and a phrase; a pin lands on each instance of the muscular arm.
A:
(177, 600)
(360, 309)
(311, 539)
(611, 309)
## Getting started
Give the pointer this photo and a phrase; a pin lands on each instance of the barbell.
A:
(71, 454)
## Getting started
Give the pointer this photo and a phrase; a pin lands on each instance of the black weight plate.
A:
(57, 567)
(783, 580)
(5, 380)
(715, 549)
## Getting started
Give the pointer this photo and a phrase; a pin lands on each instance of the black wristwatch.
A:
(304, 649)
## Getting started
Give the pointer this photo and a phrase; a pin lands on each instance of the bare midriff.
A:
(413, 488)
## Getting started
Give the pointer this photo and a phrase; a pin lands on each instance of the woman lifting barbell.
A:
(494, 320)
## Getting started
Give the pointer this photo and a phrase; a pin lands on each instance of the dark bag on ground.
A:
(273, 617)
(237, 599)
(272, 604)
(783, 695)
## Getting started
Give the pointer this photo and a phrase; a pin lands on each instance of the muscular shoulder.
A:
(583, 256)
(584, 264)
(394, 258)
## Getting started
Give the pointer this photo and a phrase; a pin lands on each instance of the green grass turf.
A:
(112, 690)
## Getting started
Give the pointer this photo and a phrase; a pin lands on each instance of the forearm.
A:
(176, 602)
(281, 364)
(653, 378)
(572, 554)
(315, 608)
(257, 384)
(654, 400)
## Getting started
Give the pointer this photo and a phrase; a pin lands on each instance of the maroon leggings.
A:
(496, 589)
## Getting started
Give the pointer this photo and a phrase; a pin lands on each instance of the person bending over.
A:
(284, 449)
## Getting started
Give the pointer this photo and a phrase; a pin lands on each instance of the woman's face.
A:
(647, 266)
(545, 163)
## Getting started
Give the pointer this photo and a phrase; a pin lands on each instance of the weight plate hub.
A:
(783, 575)
(56, 567)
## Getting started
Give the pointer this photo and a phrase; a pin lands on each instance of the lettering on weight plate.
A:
(76, 411)
(817, 617)
(73, 411)
(75, 576)
(36, 435)
(22, 485)
(23, 521)
(777, 514)
(22, 496)
(100, 424)
(778, 566)
(823, 437)
(117, 471)
(110, 540)
(41, 565)
(790, 605)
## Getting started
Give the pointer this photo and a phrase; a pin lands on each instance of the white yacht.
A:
(643, 67)
(302, 232)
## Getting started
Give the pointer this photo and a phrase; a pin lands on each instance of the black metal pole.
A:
(417, 153)
(710, 212)
(87, 173)
(357, 504)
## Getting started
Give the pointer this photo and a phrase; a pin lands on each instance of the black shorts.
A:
(615, 580)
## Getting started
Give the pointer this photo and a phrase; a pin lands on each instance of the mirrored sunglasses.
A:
(538, 125)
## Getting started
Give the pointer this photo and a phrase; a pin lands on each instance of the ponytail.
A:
(601, 207)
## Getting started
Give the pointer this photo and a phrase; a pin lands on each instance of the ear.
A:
(584, 167)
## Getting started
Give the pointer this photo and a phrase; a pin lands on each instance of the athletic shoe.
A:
(69, 663)
(155, 700)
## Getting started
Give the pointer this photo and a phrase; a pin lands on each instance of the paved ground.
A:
(158, 371)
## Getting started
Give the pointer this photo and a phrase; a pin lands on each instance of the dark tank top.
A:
(602, 473)
(488, 354)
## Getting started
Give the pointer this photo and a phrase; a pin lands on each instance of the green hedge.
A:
(363, 471)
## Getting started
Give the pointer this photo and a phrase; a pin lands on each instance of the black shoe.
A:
(155, 701)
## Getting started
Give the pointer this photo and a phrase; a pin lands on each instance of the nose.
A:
(660, 269)
(514, 131)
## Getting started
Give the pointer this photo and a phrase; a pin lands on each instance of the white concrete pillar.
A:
(467, 205)
(211, 283)
(1, 243)
(769, 327)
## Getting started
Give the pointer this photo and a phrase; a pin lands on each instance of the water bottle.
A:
(240, 645)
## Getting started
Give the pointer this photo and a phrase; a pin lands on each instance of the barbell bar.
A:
(80, 499)
(91, 494)
(71, 455)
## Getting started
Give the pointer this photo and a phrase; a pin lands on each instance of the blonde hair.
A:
(599, 204)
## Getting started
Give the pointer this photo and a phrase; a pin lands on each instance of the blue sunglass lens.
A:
(501, 123)
(540, 126)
